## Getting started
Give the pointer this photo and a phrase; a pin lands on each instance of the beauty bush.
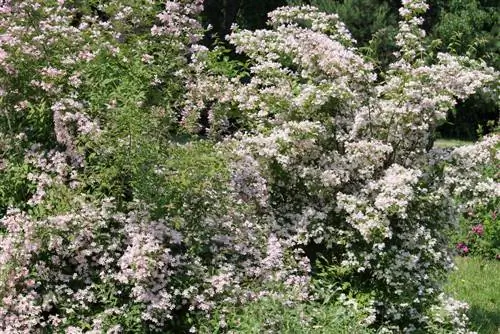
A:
(109, 223)
(115, 218)
(339, 156)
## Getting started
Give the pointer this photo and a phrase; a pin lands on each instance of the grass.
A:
(445, 143)
(477, 282)
(270, 316)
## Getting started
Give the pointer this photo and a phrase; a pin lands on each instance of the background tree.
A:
(221, 14)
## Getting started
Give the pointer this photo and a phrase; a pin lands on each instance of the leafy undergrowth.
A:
(271, 316)
(477, 282)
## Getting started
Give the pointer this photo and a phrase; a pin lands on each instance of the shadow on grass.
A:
(483, 321)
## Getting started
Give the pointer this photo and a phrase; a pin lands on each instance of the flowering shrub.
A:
(339, 156)
(116, 219)
(108, 222)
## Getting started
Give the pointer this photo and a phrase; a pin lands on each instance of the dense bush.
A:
(338, 156)
(313, 182)
(108, 221)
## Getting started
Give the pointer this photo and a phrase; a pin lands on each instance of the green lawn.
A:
(477, 282)
(444, 143)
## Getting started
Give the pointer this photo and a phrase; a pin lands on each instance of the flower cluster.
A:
(449, 315)
(88, 264)
(471, 176)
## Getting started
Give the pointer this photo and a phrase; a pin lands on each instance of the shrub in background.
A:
(478, 234)
(469, 28)
(479, 230)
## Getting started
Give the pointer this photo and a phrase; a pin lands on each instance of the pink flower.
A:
(462, 248)
(478, 230)
(146, 58)
(3, 55)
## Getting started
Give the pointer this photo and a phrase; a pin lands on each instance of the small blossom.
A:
(478, 230)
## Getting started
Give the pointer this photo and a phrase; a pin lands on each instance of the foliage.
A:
(373, 24)
(459, 27)
(363, 24)
(468, 27)
(150, 184)
(220, 15)
(270, 315)
(92, 153)
(471, 28)
(479, 233)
